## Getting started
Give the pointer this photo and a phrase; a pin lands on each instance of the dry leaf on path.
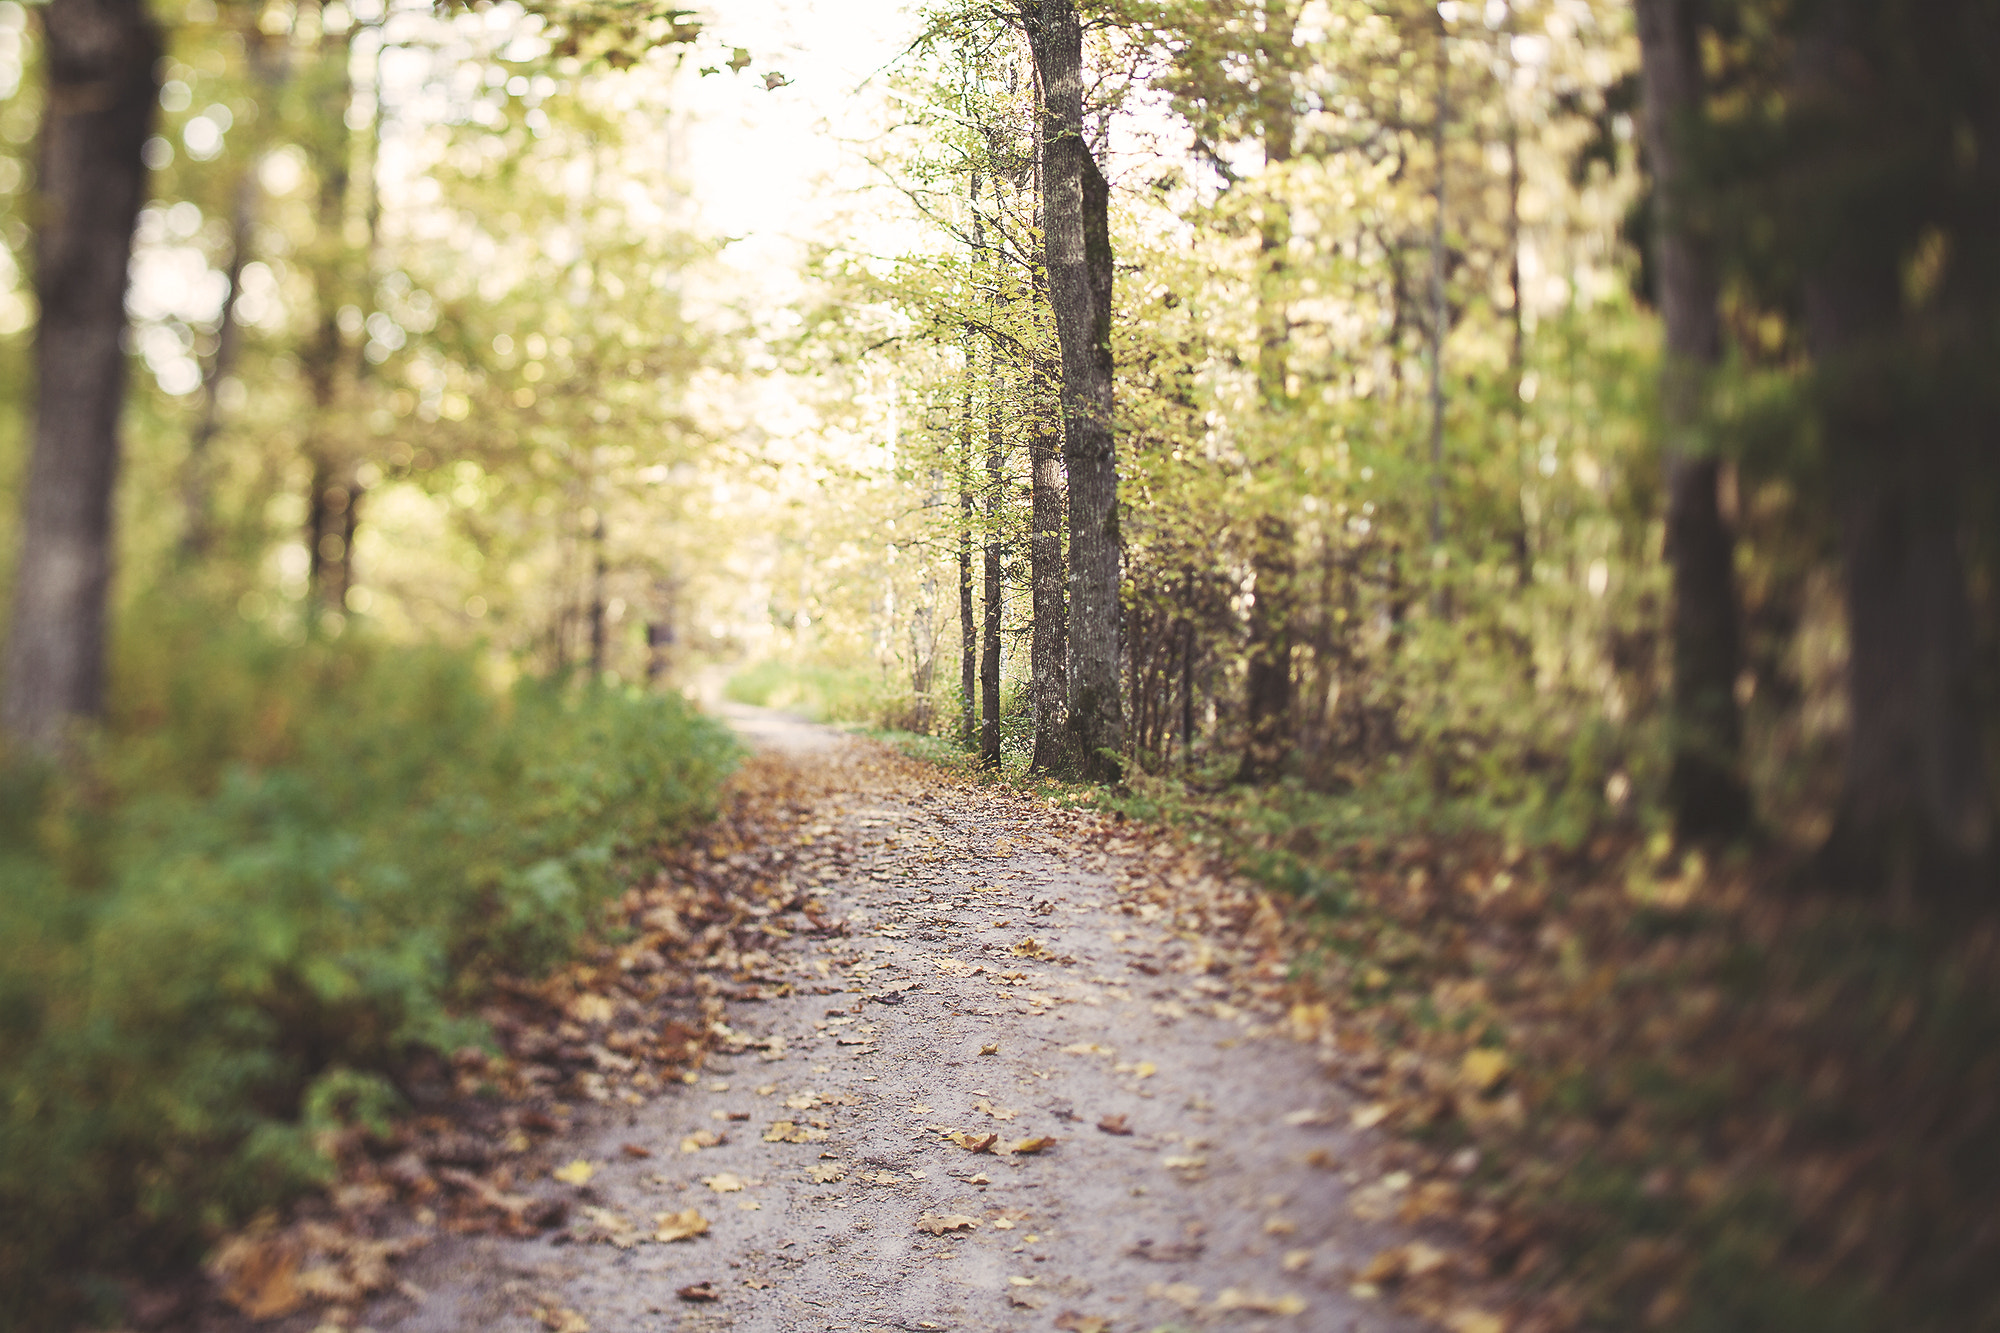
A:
(1403, 1261)
(938, 1226)
(698, 1291)
(990, 1048)
(1028, 1147)
(983, 1105)
(258, 1274)
(827, 1175)
(1115, 1124)
(1069, 1321)
(1471, 1319)
(684, 1225)
(1252, 1302)
(1184, 1294)
(974, 1142)
(578, 1172)
(728, 1182)
(635, 1150)
(703, 1138)
(560, 1320)
(790, 1131)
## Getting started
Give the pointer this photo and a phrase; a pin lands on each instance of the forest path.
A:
(985, 970)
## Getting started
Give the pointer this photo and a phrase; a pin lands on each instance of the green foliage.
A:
(285, 873)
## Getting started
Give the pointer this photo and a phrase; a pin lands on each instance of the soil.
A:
(999, 970)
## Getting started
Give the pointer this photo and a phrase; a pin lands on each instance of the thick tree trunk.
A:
(1076, 234)
(600, 570)
(1916, 813)
(1705, 788)
(1440, 306)
(1045, 570)
(102, 91)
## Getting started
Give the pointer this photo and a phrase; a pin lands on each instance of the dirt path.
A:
(991, 972)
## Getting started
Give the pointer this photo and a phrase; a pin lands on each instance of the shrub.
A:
(282, 874)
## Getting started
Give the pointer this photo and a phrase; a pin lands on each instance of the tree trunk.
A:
(1045, 570)
(968, 628)
(1076, 235)
(102, 91)
(1440, 306)
(995, 590)
(1705, 789)
(1915, 811)
(1268, 693)
(599, 611)
(1046, 502)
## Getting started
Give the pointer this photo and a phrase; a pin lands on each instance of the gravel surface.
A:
(999, 974)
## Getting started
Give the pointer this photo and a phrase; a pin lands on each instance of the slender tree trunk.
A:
(102, 91)
(968, 627)
(1268, 690)
(599, 625)
(1076, 234)
(1440, 305)
(1704, 785)
(995, 589)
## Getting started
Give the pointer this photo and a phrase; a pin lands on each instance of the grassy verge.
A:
(1655, 1095)
(283, 875)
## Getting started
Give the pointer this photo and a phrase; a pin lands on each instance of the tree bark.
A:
(1268, 691)
(1916, 813)
(1705, 787)
(1045, 570)
(968, 627)
(995, 591)
(1076, 235)
(102, 91)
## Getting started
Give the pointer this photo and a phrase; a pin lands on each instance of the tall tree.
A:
(102, 94)
(1903, 367)
(1076, 238)
(1705, 786)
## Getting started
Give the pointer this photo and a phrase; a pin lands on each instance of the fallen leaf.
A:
(1297, 1260)
(578, 1172)
(990, 1048)
(1087, 1048)
(636, 1150)
(1003, 1223)
(1400, 1262)
(1069, 1321)
(1309, 1117)
(1028, 1147)
(1367, 1117)
(1471, 1319)
(1115, 1124)
(974, 1142)
(699, 1291)
(789, 1131)
(1184, 1294)
(1251, 1302)
(827, 1175)
(703, 1138)
(684, 1225)
(559, 1320)
(1483, 1068)
(1280, 1226)
(983, 1105)
(728, 1182)
(258, 1274)
(748, 1206)
(1323, 1159)
(1193, 1162)
(938, 1226)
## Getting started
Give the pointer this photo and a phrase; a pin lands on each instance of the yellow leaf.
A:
(703, 1138)
(1027, 1147)
(990, 1048)
(684, 1225)
(1472, 1320)
(938, 1226)
(1234, 1298)
(578, 1172)
(1483, 1068)
(726, 1183)
(974, 1142)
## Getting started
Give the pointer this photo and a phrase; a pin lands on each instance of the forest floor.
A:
(953, 1057)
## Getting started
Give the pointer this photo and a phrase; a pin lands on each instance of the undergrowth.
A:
(1696, 1101)
(280, 876)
